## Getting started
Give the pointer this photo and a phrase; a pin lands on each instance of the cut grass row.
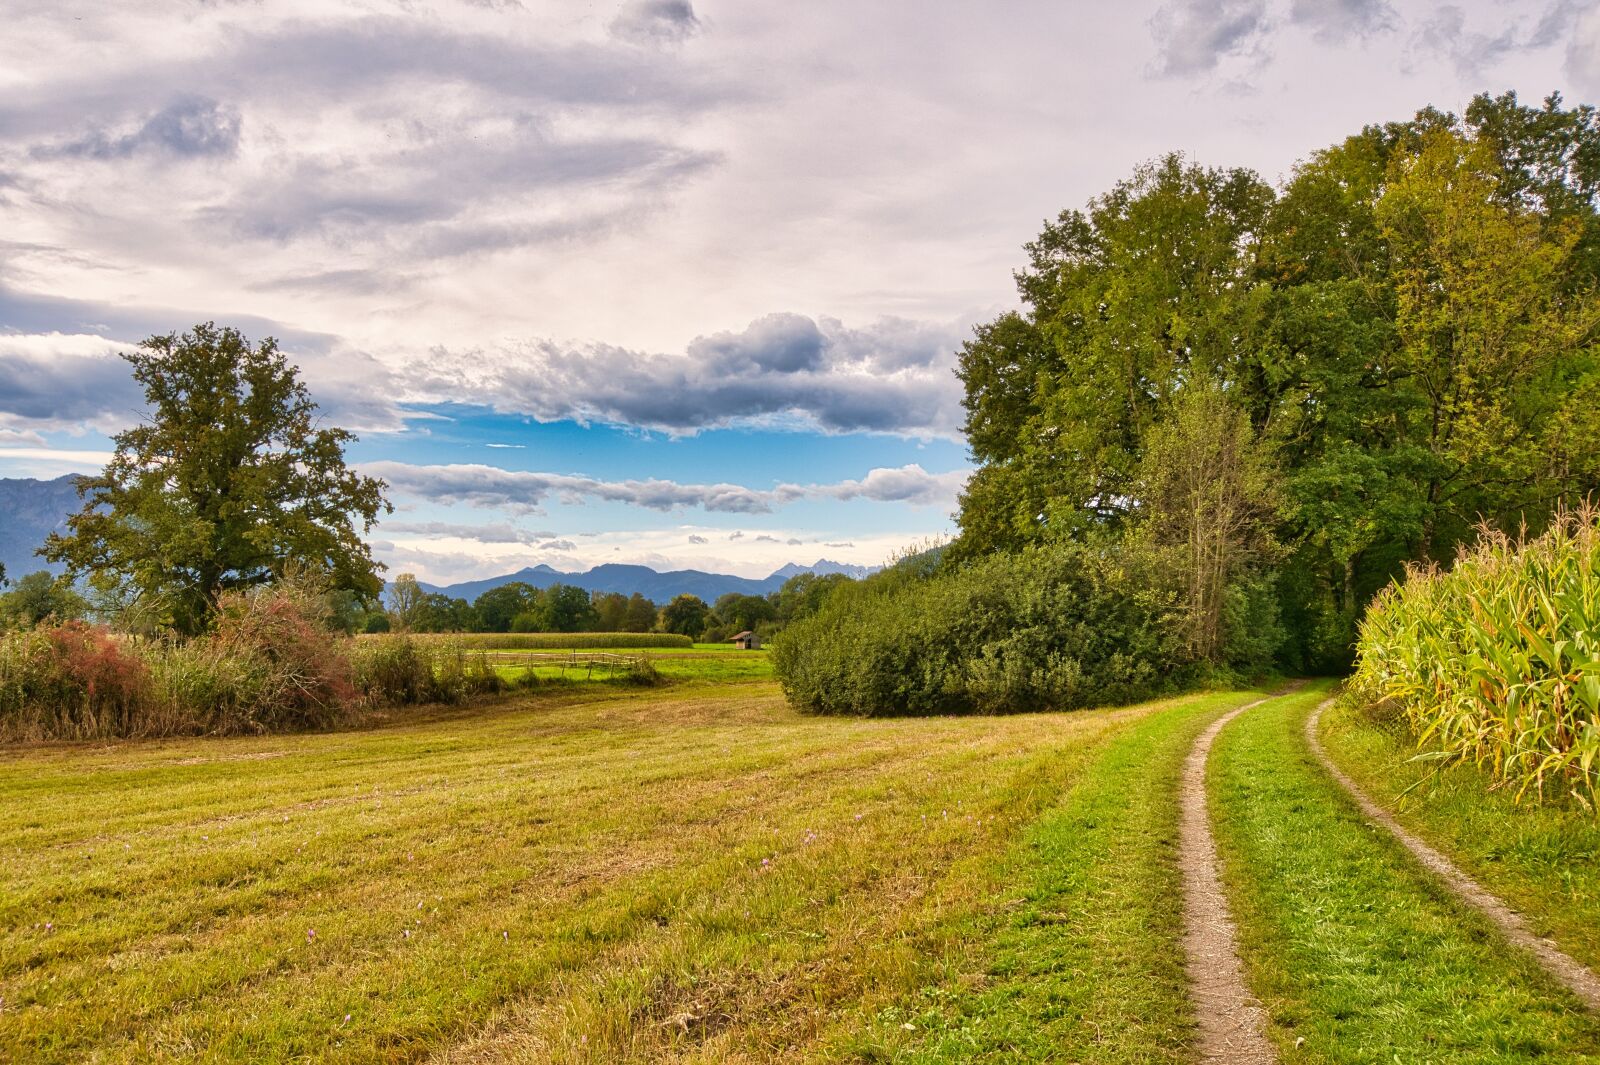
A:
(695, 875)
(698, 874)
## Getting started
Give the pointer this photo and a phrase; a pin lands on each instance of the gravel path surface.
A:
(1232, 1023)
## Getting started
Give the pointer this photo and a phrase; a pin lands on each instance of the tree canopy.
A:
(229, 481)
(1406, 333)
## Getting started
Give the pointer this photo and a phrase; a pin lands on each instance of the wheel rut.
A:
(1578, 978)
(1232, 1022)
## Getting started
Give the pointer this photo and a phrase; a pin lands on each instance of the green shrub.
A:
(1049, 628)
(402, 670)
(1498, 659)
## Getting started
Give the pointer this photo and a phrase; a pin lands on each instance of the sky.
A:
(671, 282)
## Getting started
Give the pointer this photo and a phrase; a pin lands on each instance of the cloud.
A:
(1193, 36)
(1445, 34)
(781, 343)
(499, 533)
(373, 145)
(61, 380)
(490, 486)
(1335, 21)
(13, 437)
(892, 376)
(655, 22)
(1563, 21)
(190, 127)
(698, 539)
(908, 484)
(1583, 53)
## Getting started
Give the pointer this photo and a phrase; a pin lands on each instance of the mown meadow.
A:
(593, 874)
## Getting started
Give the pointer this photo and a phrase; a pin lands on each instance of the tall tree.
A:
(406, 599)
(685, 615)
(641, 614)
(1125, 301)
(230, 479)
(1207, 491)
(500, 605)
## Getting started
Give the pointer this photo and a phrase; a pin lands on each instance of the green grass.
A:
(1084, 964)
(694, 873)
(1350, 945)
(1542, 859)
(676, 667)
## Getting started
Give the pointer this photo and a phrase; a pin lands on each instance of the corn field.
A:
(1498, 659)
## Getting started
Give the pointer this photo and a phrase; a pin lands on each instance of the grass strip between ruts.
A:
(1086, 965)
(1356, 952)
(1542, 860)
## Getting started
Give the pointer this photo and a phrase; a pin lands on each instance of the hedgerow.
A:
(1053, 627)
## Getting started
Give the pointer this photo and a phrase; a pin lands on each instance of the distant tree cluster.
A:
(520, 607)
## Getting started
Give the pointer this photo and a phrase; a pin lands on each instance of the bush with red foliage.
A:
(72, 681)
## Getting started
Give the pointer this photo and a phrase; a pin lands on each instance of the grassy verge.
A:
(693, 874)
(1355, 952)
(1084, 962)
(1543, 860)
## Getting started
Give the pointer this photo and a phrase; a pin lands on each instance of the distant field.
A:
(678, 665)
(585, 875)
(534, 641)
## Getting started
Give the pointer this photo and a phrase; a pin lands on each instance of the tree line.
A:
(1228, 413)
(1303, 387)
(520, 607)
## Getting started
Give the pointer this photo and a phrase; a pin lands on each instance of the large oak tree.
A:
(230, 480)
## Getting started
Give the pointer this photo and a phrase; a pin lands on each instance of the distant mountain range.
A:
(659, 587)
(31, 510)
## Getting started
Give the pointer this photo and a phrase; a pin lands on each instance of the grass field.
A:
(595, 874)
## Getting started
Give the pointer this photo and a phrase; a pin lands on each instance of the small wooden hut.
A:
(747, 641)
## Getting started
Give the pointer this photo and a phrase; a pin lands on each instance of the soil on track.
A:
(1232, 1023)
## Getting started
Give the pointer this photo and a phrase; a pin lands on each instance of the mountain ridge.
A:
(657, 585)
(32, 508)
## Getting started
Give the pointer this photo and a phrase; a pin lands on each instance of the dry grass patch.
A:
(601, 876)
